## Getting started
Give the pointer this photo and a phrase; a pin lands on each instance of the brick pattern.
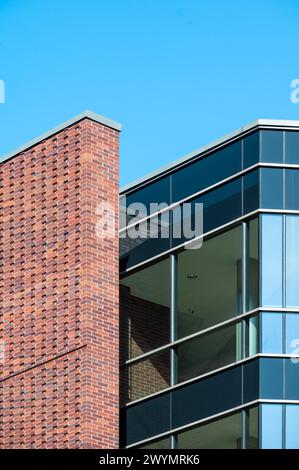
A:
(58, 293)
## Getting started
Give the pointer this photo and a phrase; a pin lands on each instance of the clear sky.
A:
(176, 73)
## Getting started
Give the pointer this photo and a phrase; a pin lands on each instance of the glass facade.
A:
(210, 336)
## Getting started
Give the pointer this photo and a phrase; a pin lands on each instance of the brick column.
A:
(59, 292)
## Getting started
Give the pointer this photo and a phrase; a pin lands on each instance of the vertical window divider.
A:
(245, 255)
(173, 336)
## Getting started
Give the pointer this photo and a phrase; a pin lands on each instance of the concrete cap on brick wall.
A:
(85, 115)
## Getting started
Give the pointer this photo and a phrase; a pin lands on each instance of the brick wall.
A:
(59, 292)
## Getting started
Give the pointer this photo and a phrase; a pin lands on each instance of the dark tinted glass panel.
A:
(292, 189)
(222, 205)
(144, 310)
(271, 379)
(207, 397)
(251, 191)
(224, 433)
(145, 377)
(206, 171)
(292, 147)
(218, 264)
(253, 265)
(251, 149)
(135, 249)
(271, 188)
(292, 378)
(208, 352)
(251, 381)
(146, 419)
(253, 428)
(157, 192)
(272, 144)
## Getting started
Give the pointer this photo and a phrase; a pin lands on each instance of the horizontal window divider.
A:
(193, 379)
(188, 426)
(210, 188)
(218, 326)
(219, 229)
(207, 374)
(179, 248)
(192, 196)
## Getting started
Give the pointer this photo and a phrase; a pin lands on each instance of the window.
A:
(271, 260)
(292, 193)
(271, 146)
(292, 261)
(253, 431)
(159, 444)
(156, 192)
(251, 191)
(209, 286)
(145, 310)
(271, 329)
(292, 421)
(271, 188)
(208, 352)
(251, 149)
(224, 433)
(145, 377)
(292, 147)
(292, 333)
(271, 426)
(253, 265)
(206, 171)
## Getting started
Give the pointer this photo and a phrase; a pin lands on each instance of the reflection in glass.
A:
(144, 310)
(208, 352)
(224, 433)
(271, 328)
(292, 421)
(271, 146)
(292, 147)
(209, 283)
(292, 333)
(291, 189)
(271, 426)
(271, 260)
(145, 377)
(292, 261)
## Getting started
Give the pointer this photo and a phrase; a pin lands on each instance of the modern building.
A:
(201, 330)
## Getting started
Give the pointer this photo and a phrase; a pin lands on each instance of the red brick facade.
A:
(59, 292)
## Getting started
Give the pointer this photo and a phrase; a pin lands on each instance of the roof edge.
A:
(221, 140)
(85, 114)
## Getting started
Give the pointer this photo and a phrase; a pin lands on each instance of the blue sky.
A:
(176, 73)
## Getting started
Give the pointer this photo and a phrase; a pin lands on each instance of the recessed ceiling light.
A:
(192, 276)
